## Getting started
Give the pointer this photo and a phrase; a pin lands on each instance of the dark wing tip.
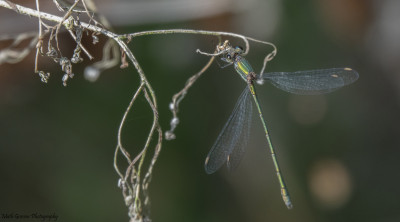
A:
(209, 170)
(354, 74)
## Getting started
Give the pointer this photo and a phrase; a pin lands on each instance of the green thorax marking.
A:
(242, 67)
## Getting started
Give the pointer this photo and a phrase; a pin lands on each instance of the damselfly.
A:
(231, 142)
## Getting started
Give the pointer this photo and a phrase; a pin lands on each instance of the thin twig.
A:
(15, 55)
(131, 182)
(178, 97)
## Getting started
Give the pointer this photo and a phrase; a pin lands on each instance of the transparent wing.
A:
(312, 81)
(238, 151)
(231, 142)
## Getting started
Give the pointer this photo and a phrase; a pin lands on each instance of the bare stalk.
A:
(134, 180)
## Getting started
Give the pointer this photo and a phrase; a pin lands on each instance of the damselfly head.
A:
(228, 53)
(231, 53)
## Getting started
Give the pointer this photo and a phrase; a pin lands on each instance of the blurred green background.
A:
(338, 152)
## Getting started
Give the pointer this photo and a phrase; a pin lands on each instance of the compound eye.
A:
(229, 57)
(239, 48)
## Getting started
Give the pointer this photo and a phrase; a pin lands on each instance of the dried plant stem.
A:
(134, 181)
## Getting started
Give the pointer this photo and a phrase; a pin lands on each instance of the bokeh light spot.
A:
(330, 183)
